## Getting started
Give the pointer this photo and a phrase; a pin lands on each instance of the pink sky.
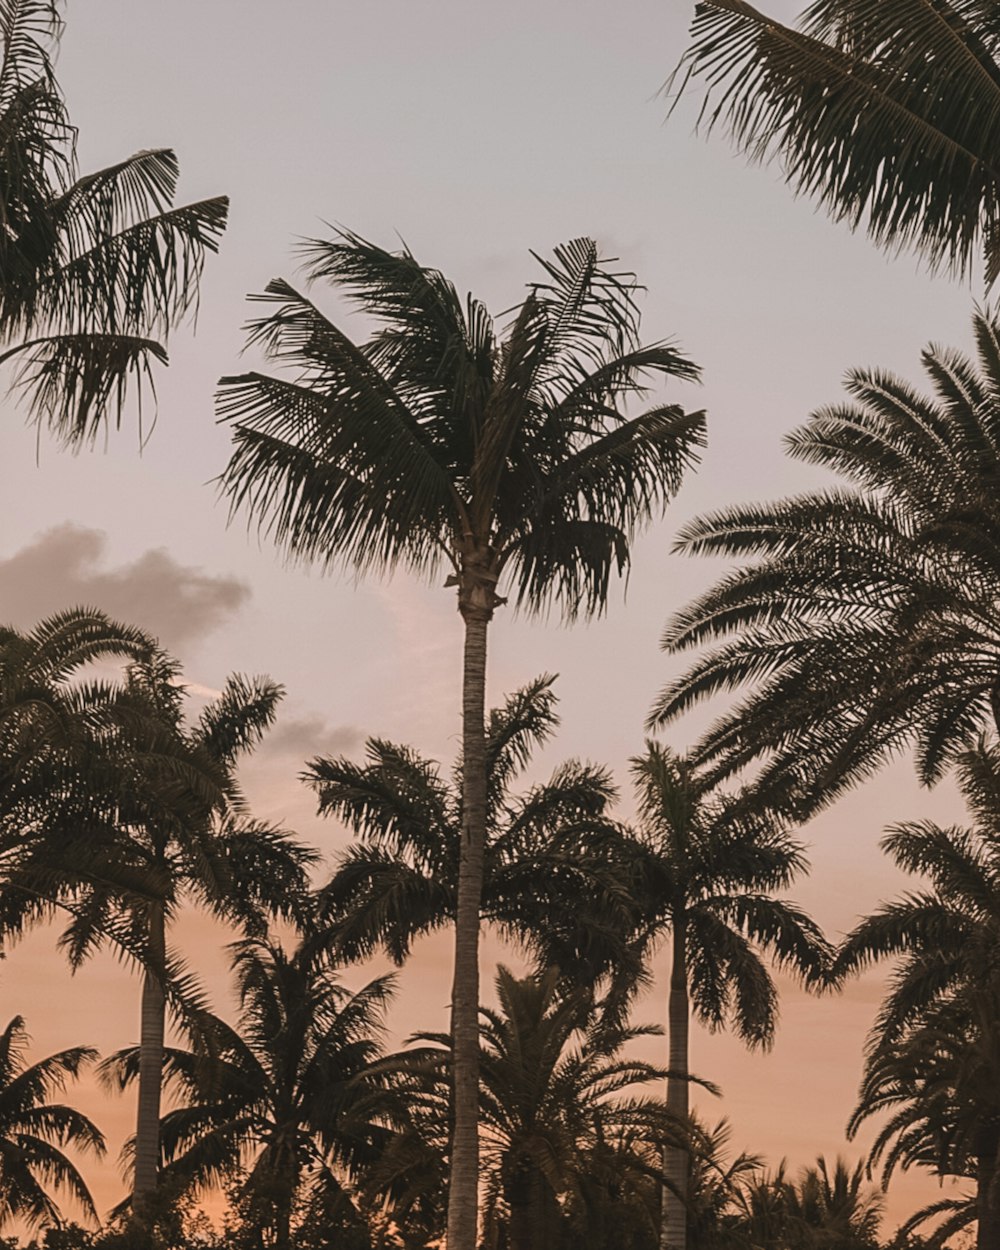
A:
(476, 131)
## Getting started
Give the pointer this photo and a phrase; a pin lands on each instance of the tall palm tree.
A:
(552, 1069)
(94, 270)
(705, 868)
(867, 623)
(554, 875)
(885, 111)
(33, 1130)
(506, 456)
(289, 1102)
(934, 1054)
(173, 827)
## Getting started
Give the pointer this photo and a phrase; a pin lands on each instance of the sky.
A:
(475, 132)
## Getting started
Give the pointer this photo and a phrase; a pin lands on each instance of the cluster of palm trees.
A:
(115, 809)
(862, 620)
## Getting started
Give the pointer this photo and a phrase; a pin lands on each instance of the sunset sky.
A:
(475, 131)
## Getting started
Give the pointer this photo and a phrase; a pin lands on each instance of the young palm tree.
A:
(934, 1055)
(288, 1102)
(705, 868)
(171, 826)
(885, 111)
(819, 1208)
(94, 270)
(718, 1183)
(835, 1208)
(551, 1066)
(508, 457)
(33, 1130)
(867, 624)
(553, 870)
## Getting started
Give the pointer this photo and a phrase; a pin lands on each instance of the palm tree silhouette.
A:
(704, 870)
(554, 1124)
(933, 1056)
(33, 1130)
(867, 623)
(95, 269)
(166, 823)
(506, 456)
(553, 872)
(885, 113)
(289, 1102)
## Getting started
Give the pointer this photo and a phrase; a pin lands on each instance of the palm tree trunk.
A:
(676, 1164)
(534, 1212)
(147, 1123)
(988, 1201)
(463, 1177)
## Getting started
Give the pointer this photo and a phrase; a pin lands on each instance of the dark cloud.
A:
(62, 568)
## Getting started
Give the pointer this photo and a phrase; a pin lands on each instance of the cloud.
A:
(305, 736)
(62, 568)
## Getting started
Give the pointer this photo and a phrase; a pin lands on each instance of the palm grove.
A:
(516, 460)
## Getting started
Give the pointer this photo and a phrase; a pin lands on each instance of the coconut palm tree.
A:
(934, 1055)
(53, 722)
(95, 269)
(884, 111)
(552, 1067)
(33, 1130)
(506, 456)
(867, 623)
(289, 1102)
(172, 826)
(554, 876)
(705, 868)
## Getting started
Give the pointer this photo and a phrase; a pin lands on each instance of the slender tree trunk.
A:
(476, 606)
(283, 1222)
(676, 1161)
(147, 1122)
(988, 1201)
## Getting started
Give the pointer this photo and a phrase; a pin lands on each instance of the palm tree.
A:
(819, 1209)
(553, 867)
(885, 111)
(508, 457)
(833, 1209)
(937, 1078)
(551, 1069)
(33, 1130)
(53, 721)
(718, 1187)
(95, 269)
(934, 1056)
(705, 867)
(867, 624)
(289, 1102)
(172, 827)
